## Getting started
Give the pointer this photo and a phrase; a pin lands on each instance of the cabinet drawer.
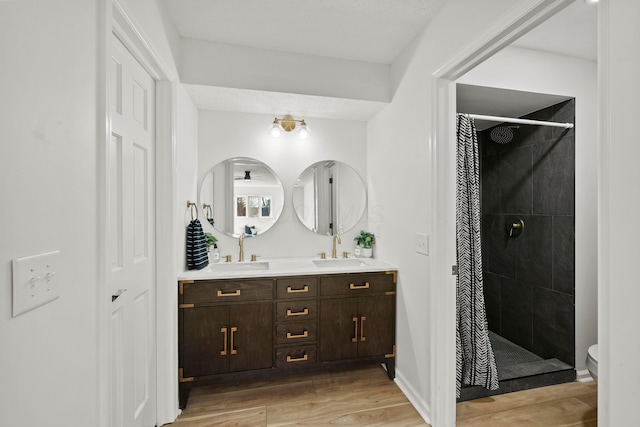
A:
(297, 287)
(294, 357)
(227, 291)
(296, 310)
(357, 284)
(296, 332)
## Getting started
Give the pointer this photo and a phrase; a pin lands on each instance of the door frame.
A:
(517, 21)
(114, 19)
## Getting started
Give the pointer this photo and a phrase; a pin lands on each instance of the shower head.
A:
(502, 134)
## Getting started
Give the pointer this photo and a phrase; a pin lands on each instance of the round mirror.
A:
(329, 197)
(241, 195)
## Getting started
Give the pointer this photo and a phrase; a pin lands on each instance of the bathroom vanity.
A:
(260, 319)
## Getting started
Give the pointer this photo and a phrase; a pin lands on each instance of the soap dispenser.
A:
(357, 251)
(216, 253)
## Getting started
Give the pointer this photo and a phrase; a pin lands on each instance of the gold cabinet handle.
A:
(304, 289)
(353, 286)
(304, 312)
(233, 334)
(235, 293)
(305, 334)
(362, 319)
(297, 359)
(355, 333)
(224, 342)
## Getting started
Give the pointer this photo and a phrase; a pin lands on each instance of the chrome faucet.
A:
(241, 257)
(336, 238)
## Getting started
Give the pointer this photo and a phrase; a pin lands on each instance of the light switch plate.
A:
(422, 243)
(35, 281)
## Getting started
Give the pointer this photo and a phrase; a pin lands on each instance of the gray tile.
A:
(554, 176)
(516, 181)
(500, 252)
(564, 272)
(490, 184)
(534, 251)
(516, 312)
(492, 301)
(553, 325)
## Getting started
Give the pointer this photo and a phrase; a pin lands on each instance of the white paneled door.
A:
(131, 237)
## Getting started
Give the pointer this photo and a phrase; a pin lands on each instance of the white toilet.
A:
(592, 361)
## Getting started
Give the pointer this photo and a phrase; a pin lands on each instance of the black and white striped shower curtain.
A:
(475, 360)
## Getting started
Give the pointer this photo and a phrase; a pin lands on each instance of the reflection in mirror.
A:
(241, 195)
(329, 197)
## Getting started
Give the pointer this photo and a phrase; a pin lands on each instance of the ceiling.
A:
(501, 102)
(362, 30)
(373, 31)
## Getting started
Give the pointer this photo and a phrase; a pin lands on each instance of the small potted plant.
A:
(212, 247)
(365, 240)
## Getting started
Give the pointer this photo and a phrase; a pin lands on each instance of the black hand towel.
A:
(197, 257)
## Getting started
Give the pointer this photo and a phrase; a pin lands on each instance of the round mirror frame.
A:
(255, 205)
(329, 197)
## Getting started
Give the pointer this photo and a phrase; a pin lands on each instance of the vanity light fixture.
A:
(288, 124)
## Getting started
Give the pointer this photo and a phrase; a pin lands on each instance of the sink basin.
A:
(240, 266)
(336, 263)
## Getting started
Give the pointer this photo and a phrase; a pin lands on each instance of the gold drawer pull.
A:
(298, 359)
(290, 290)
(353, 286)
(362, 319)
(304, 312)
(355, 334)
(224, 342)
(235, 293)
(305, 334)
(233, 334)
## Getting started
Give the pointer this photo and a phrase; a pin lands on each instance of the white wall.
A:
(48, 159)
(223, 135)
(399, 179)
(49, 362)
(187, 169)
(541, 72)
(619, 200)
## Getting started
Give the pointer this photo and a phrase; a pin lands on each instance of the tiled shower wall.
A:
(529, 280)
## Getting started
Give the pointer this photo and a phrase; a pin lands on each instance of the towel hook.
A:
(193, 207)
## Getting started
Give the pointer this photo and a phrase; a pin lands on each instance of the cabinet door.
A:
(377, 325)
(338, 329)
(205, 332)
(251, 339)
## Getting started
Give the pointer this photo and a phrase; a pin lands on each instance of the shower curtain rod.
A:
(521, 121)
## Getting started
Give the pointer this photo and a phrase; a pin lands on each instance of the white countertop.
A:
(286, 267)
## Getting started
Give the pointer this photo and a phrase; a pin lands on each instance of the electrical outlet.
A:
(35, 281)
(422, 243)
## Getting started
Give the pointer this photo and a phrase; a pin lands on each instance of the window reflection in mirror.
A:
(329, 197)
(244, 196)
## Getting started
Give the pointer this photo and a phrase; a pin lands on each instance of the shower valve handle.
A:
(515, 227)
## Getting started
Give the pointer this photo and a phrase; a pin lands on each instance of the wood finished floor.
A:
(366, 397)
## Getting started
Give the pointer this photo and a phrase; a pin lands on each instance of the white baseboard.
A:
(414, 398)
(584, 376)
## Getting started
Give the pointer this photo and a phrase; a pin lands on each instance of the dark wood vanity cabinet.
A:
(296, 322)
(225, 326)
(243, 328)
(357, 313)
(227, 338)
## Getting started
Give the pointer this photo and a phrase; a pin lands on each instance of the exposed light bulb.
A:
(303, 133)
(275, 129)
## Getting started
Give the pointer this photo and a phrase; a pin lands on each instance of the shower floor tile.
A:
(520, 369)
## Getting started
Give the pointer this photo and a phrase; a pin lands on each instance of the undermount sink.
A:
(240, 266)
(334, 263)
